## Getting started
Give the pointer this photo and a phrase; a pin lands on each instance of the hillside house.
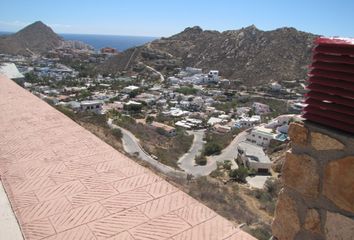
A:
(260, 108)
(253, 157)
(91, 106)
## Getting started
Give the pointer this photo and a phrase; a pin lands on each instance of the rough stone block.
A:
(338, 183)
(300, 173)
(313, 221)
(298, 133)
(339, 227)
(286, 221)
(323, 142)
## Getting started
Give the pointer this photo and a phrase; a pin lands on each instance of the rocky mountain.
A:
(36, 38)
(250, 55)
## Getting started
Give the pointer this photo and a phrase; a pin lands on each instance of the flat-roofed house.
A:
(253, 157)
(91, 106)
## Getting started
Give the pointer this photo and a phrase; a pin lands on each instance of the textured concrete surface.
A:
(8, 223)
(65, 183)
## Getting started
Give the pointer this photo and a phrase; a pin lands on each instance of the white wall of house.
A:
(259, 138)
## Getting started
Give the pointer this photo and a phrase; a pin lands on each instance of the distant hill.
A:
(36, 38)
(248, 54)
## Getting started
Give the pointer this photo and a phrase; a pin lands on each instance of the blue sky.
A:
(167, 17)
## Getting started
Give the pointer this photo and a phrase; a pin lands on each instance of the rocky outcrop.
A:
(318, 178)
(36, 38)
(249, 55)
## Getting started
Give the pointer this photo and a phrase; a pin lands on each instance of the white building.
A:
(275, 86)
(261, 135)
(213, 76)
(213, 120)
(192, 70)
(246, 122)
(260, 108)
(92, 106)
(253, 157)
(130, 89)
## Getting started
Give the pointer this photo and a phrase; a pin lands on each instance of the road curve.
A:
(230, 152)
(132, 146)
(187, 162)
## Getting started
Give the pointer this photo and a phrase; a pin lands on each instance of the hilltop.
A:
(36, 38)
(250, 55)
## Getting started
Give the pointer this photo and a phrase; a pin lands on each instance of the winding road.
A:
(132, 146)
(230, 152)
(187, 162)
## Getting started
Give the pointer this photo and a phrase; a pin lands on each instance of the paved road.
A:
(230, 152)
(132, 146)
(186, 162)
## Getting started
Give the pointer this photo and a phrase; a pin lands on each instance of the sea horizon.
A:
(98, 41)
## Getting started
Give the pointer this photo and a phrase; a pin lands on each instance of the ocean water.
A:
(115, 41)
(118, 42)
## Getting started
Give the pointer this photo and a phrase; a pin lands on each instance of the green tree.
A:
(201, 160)
(239, 174)
(212, 148)
(84, 94)
(133, 107)
(149, 119)
(227, 165)
(117, 133)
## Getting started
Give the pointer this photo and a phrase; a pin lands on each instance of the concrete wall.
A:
(317, 199)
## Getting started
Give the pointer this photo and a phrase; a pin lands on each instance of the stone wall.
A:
(317, 199)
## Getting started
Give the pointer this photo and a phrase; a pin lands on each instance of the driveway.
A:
(187, 162)
(230, 152)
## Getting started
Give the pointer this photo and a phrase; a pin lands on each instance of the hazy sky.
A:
(167, 17)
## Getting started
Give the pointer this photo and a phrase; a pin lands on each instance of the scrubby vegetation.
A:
(267, 196)
(212, 148)
(239, 174)
(201, 160)
(222, 198)
(97, 124)
(155, 142)
(187, 90)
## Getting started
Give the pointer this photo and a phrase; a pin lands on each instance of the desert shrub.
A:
(227, 165)
(149, 119)
(216, 173)
(212, 148)
(201, 160)
(239, 174)
(223, 199)
(267, 196)
(261, 232)
(117, 133)
(161, 131)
